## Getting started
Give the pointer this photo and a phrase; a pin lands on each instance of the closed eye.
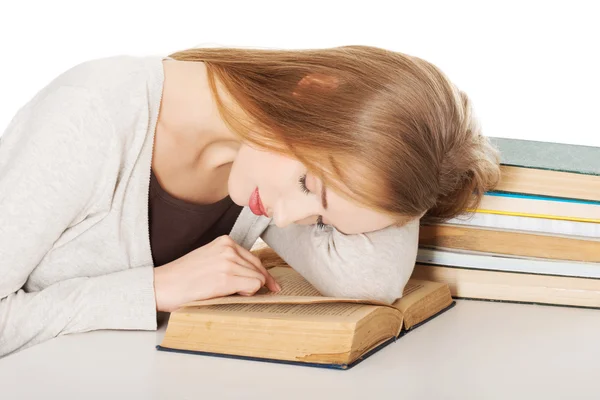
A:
(302, 182)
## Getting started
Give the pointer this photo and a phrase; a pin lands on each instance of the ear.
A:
(316, 82)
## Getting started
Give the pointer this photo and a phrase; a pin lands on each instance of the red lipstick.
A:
(255, 204)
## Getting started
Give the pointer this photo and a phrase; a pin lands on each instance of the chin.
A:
(239, 201)
(239, 197)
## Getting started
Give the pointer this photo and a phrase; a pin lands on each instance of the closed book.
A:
(540, 207)
(550, 169)
(508, 242)
(529, 224)
(495, 262)
(480, 284)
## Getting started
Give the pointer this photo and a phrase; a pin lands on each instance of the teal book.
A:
(299, 326)
(549, 156)
(561, 171)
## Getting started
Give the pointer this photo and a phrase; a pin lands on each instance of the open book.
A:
(298, 325)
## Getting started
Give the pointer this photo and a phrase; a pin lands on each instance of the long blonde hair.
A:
(390, 127)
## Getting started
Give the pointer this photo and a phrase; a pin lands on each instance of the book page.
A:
(414, 291)
(294, 289)
(412, 286)
(292, 284)
(421, 300)
(330, 310)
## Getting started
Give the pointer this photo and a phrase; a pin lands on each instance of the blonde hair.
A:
(389, 127)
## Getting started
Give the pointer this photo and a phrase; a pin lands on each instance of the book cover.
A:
(550, 156)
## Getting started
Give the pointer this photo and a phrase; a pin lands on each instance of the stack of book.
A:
(535, 238)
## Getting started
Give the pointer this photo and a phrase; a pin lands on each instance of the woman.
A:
(135, 184)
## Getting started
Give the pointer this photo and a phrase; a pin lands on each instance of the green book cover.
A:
(547, 155)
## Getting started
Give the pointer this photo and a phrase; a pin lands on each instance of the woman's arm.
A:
(52, 163)
(374, 265)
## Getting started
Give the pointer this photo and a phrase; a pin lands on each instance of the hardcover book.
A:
(298, 325)
(549, 169)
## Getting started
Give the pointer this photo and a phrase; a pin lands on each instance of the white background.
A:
(532, 68)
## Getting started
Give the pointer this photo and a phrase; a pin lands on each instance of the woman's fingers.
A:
(241, 267)
(271, 284)
(243, 285)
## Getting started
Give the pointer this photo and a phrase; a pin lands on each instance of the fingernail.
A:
(278, 287)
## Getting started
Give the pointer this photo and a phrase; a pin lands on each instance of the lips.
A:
(255, 204)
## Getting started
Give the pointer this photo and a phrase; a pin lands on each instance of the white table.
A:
(476, 350)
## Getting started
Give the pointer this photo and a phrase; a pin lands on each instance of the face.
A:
(277, 179)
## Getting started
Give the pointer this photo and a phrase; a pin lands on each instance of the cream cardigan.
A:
(74, 244)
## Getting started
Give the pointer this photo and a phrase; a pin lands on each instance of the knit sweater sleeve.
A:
(374, 265)
(53, 157)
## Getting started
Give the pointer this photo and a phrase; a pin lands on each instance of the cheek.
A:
(236, 188)
(253, 168)
(240, 182)
(274, 174)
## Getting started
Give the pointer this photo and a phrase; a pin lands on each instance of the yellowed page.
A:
(414, 291)
(292, 283)
(278, 299)
(422, 299)
(343, 311)
(294, 289)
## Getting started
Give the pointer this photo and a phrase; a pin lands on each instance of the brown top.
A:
(178, 227)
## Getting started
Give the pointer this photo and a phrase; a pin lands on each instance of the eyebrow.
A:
(323, 195)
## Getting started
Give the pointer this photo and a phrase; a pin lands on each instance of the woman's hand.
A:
(220, 268)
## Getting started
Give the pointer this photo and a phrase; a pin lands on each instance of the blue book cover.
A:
(541, 197)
